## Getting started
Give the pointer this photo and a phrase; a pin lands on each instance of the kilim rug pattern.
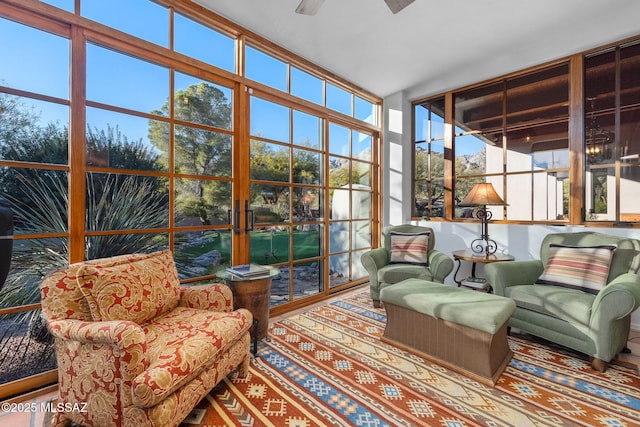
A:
(328, 367)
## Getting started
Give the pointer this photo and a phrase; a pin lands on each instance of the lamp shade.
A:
(482, 194)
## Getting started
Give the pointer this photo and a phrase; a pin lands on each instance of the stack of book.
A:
(476, 283)
(247, 270)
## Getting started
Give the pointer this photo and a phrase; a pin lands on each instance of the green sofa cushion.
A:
(477, 310)
(567, 304)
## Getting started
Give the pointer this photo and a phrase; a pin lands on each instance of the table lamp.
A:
(483, 195)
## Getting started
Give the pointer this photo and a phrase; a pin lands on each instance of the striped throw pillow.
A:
(409, 248)
(585, 268)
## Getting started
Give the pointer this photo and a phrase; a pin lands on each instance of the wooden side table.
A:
(475, 258)
(254, 294)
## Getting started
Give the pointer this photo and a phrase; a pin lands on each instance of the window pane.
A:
(202, 152)
(280, 286)
(270, 203)
(202, 102)
(201, 253)
(308, 130)
(340, 200)
(630, 75)
(339, 175)
(27, 347)
(127, 16)
(33, 131)
(429, 111)
(122, 244)
(538, 147)
(479, 109)
(600, 195)
(306, 243)
(339, 100)
(475, 156)
(357, 269)
(265, 69)
(127, 81)
(361, 175)
(38, 198)
(426, 206)
(307, 167)
(339, 140)
(269, 162)
(360, 205)
(306, 86)
(630, 135)
(125, 141)
(550, 196)
(126, 202)
(269, 120)
(308, 205)
(269, 245)
(365, 111)
(201, 202)
(362, 146)
(361, 234)
(534, 97)
(339, 237)
(33, 60)
(600, 82)
(206, 44)
(307, 279)
(629, 190)
(339, 269)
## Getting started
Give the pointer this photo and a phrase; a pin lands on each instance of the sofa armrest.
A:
(118, 342)
(501, 275)
(213, 297)
(440, 265)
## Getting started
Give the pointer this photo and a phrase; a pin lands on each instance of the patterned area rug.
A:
(327, 367)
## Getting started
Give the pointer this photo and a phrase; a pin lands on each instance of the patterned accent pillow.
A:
(138, 290)
(585, 268)
(409, 248)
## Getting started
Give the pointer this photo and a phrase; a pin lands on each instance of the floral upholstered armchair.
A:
(133, 347)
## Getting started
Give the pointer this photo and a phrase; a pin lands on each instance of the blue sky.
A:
(37, 62)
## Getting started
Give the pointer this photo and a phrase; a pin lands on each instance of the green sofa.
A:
(382, 272)
(596, 324)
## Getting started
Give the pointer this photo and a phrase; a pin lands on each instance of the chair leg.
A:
(377, 303)
(599, 364)
(243, 368)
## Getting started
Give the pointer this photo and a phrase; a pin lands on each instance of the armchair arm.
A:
(611, 308)
(117, 350)
(618, 299)
(214, 297)
(440, 265)
(501, 275)
(372, 261)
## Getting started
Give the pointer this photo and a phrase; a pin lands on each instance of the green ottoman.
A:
(461, 329)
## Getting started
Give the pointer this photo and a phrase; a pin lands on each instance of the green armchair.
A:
(383, 271)
(591, 321)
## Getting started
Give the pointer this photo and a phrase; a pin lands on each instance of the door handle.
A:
(248, 213)
(236, 218)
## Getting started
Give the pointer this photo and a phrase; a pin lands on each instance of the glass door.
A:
(284, 207)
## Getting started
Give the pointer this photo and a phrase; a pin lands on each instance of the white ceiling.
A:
(434, 45)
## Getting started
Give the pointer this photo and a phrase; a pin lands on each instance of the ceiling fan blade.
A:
(397, 5)
(309, 7)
